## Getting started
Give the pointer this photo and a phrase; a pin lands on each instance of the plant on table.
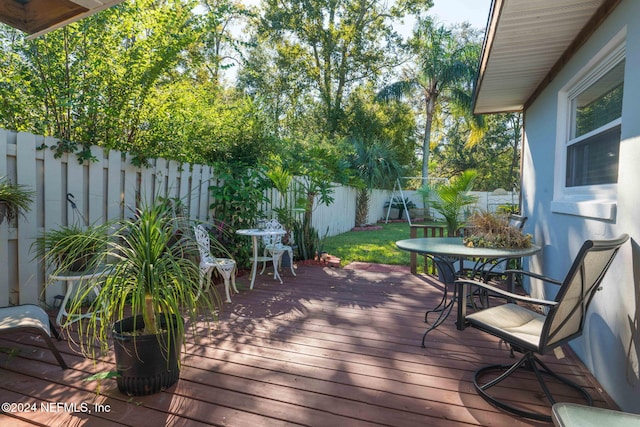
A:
(72, 248)
(153, 282)
(492, 230)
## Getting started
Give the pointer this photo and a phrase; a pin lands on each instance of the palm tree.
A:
(446, 66)
(449, 199)
(375, 165)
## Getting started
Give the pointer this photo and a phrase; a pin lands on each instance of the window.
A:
(588, 135)
(593, 146)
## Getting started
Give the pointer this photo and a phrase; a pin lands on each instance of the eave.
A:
(37, 17)
(526, 43)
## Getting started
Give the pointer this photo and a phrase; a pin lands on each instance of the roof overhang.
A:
(37, 17)
(526, 43)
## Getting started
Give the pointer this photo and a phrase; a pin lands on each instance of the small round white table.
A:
(255, 233)
(72, 279)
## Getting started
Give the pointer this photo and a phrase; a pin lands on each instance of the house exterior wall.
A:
(611, 343)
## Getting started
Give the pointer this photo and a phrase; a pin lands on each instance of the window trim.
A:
(590, 201)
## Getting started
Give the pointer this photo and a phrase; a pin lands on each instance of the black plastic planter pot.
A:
(142, 361)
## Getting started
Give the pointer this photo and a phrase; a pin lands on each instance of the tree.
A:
(374, 121)
(140, 77)
(217, 49)
(495, 157)
(330, 46)
(375, 165)
(445, 66)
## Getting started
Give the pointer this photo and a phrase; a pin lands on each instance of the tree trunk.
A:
(426, 142)
(362, 207)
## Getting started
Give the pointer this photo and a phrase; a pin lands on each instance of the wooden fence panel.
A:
(96, 188)
(114, 197)
(51, 207)
(28, 287)
(4, 228)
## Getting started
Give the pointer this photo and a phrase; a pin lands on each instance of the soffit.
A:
(524, 40)
(37, 17)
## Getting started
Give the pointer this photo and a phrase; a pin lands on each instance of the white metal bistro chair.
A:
(225, 266)
(274, 247)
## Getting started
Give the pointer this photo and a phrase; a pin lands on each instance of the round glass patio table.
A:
(445, 250)
(454, 247)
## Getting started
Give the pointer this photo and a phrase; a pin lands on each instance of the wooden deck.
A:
(330, 347)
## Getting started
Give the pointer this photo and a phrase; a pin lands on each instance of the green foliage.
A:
(16, 198)
(507, 209)
(236, 204)
(150, 272)
(374, 163)
(307, 239)
(72, 248)
(281, 179)
(449, 199)
(446, 63)
(135, 78)
(315, 52)
(496, 157)
(394, 123)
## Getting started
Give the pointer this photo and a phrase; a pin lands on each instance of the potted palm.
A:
(15, 200)
(153, 281)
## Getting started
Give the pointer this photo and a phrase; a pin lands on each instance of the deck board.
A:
(329, 347)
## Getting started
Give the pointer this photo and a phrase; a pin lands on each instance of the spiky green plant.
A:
(16, 198)
(72, 248)
(150, 273)
(449, 199)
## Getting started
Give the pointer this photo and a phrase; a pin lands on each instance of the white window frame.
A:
(591, 201)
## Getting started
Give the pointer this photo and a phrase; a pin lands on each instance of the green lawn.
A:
(376, 246)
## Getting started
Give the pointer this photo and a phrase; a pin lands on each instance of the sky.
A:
(450, 12)
(475, 12)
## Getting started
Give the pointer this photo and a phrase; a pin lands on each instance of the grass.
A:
(375, 246)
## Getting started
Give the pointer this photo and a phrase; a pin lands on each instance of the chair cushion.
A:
(24, 316)
(511, 322)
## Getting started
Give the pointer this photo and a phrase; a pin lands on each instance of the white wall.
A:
(611, 343)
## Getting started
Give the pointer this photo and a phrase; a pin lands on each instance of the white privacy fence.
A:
(109, 188)
(112, 187)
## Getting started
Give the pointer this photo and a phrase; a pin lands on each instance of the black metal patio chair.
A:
(529, 332)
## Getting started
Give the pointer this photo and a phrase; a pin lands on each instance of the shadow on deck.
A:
(337, 347)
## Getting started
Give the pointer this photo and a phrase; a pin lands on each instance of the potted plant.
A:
(492, 230)
(15, 200)
(153, 282)
(72, 248)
